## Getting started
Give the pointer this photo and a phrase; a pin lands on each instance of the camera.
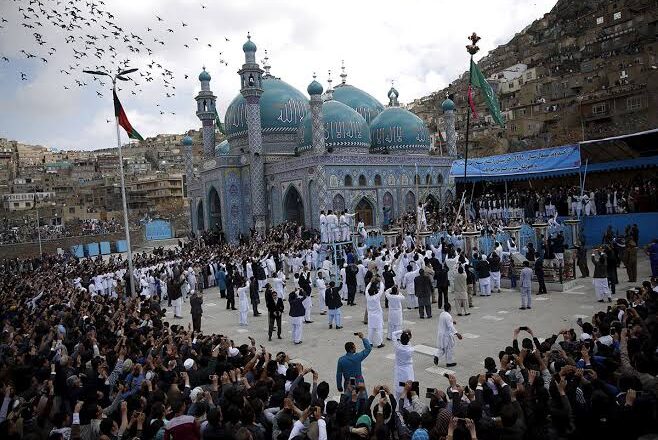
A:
(430, 392)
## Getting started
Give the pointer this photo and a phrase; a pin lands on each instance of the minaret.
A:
(189, 173)
(343, 75)
(252, 89)
(448, 107)
(329, 94)
(205, 110)
(317, 128)
(393, 96)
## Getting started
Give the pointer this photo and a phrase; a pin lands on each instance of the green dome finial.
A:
(249, 46)
(187, 141)
(314, 88)
(204, 76)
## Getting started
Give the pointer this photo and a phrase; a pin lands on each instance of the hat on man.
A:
(188, 364)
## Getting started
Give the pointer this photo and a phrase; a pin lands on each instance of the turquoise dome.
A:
(222, 148)
(343, 128)
(399, 130)
(364, 103)
(315, 88)
(204, 76)
(249, 46)
(187, 141)
(448, 104)
(282, 107)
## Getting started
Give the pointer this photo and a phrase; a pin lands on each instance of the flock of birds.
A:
(95, 41)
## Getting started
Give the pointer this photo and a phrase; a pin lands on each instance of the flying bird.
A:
(159, 19)
(23, 77)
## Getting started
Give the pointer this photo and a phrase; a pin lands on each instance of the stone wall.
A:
(31, 249)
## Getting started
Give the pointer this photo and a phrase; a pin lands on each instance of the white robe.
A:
(323, 228)
(394, 312)
(322, 289)
(404, 363)
(408, 285)
(375, 315)
(445, 339)
(243, 295)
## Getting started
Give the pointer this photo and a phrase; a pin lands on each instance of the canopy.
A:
(632, 151)
(542, 163)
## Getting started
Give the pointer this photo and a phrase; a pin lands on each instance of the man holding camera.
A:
(348, 370)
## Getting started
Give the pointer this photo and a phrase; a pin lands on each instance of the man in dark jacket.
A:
(274, 309)
(195, 304)
(600, 278)
(296, 313)
(581, 260)
(494, 270)
(483, 271)
(613, 263)
(253, 294)
(442, 283)
(539, 273)
(334, 303)
(350, 279)
(423, 290)
(230, 291)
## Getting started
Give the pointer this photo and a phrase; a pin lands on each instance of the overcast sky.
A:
(419, 44)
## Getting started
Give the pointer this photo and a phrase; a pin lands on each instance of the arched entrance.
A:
(338, 204)
(293, 206)
(365, 212)
(410, 202)
(215, 214)
(200, 224)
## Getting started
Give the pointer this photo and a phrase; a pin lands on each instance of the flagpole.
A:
(123, 201)
(472, 50)
(122, 75)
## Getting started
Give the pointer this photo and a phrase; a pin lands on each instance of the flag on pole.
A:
(218, 123)
(123, 119)
(478, 80)
(471, 102)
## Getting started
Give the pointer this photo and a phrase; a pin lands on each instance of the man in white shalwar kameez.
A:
(421, 220)
(323, 227)
(404, 359)
(322, 289)
(333, 231)
(445, 341)
(408, 285)
(395, 299)
(375, 312)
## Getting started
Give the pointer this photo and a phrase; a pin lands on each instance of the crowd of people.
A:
(82, 359)
(25, 229)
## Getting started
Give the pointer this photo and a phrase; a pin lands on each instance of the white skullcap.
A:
(188, 364)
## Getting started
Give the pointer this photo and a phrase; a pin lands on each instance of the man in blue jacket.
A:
(349, 365)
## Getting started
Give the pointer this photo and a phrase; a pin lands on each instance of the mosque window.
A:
(378, 180)
(362, 180)
(428, 180)
(348, 180)
(416, 179)
(439, 179)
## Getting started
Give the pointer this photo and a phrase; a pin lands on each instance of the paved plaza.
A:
(486, 331)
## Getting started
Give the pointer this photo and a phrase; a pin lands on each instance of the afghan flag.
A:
(478, 80)
(123, 119)
(218, 123)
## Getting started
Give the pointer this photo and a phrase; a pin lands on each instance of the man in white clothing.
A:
(374, 292)
(421, 221)
(395, 299)
(404, 359)
(322, 287)
(446, 338)
(323, 227)
(408, 284)
(333, 232)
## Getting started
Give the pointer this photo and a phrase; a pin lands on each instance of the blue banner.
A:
(158, 230)
(526, 162)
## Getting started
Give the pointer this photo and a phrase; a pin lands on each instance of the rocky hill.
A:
(585, 70)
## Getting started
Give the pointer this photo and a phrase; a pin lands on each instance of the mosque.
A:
(288, 156)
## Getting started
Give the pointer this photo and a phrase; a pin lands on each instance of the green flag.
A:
(478, 80)
(218, 123)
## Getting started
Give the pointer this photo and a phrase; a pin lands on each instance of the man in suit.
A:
(296, 313)
(350, 279)
(275, 309)
(334, 303)
(195, 304)
(526, 285)
(253, 294)
(423, 290)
